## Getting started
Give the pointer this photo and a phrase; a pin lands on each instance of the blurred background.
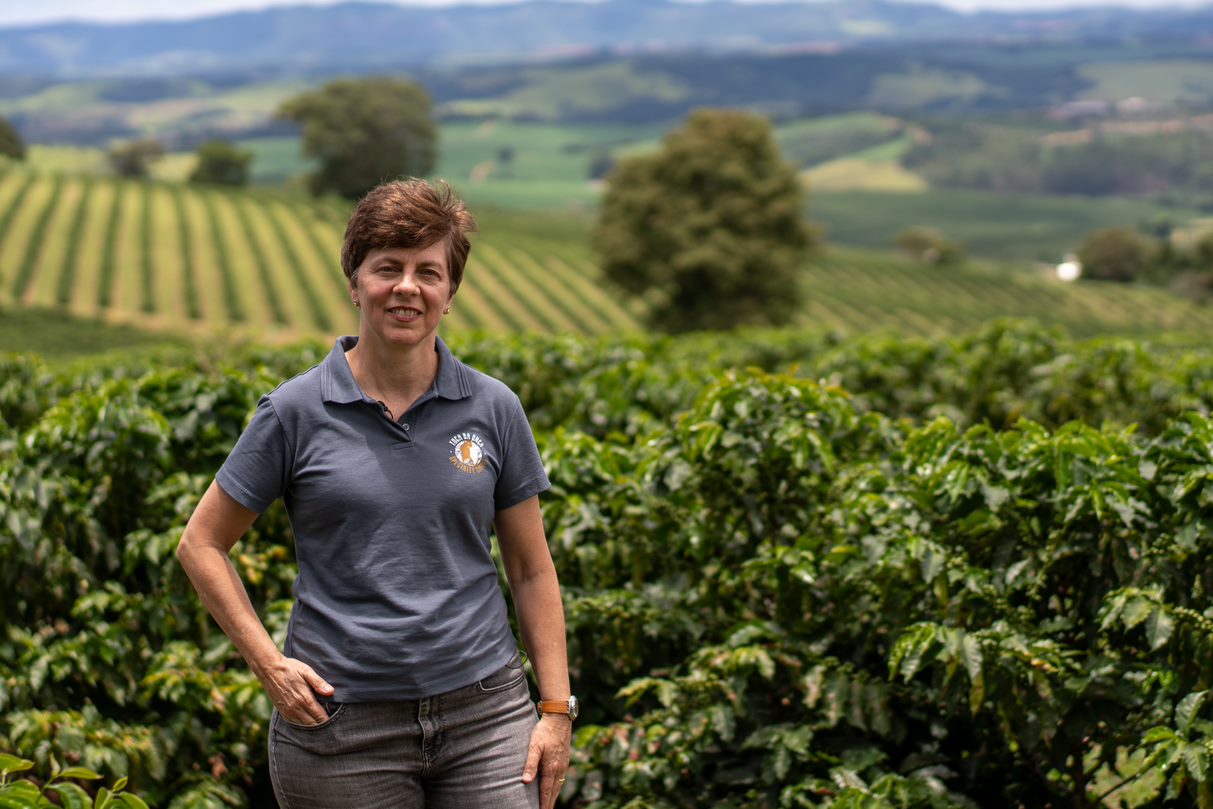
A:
(158, 165)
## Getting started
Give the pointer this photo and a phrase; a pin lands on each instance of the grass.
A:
(923, 86)
(277, 159)
(1170, 81)
(577, 89)
(67, 159)
(93, 249)
(56, 335)
(37, 239)
(1009, 227)
(856, 174)
(817, 140)
(544, 152)
(220, 262)
(531, 196)
(858, 291)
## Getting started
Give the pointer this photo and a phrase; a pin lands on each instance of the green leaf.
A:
(909, 651)
(133, 801)
(1196, 760)
(102, 800)
(1158, 734)
(1136, 611)
(1187, 709)
(10, 801)
(971, 650)
(1159, 628)
(79, 772)
(13, 764)
(120, 784)
(72, 796)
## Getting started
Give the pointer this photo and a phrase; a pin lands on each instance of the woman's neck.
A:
(395, 377)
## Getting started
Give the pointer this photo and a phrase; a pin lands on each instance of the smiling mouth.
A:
(404, 311)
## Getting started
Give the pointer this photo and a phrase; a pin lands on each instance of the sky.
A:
(25, 12)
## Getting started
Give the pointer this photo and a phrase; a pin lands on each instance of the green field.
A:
(193, 105)
(858, 190)
(1172, 81)
(184, 260)
(59, 336)
(1008, 227)
(573, 90)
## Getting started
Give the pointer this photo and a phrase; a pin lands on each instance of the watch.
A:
(568, 706)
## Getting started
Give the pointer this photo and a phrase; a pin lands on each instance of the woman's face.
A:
(402, 293)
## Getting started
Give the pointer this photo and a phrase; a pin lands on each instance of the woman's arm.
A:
(536, 593)
(213, 530)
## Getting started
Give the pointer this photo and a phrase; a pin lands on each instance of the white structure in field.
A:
(1069, 270)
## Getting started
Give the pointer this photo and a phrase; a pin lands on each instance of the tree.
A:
(222, 163)
(364, 131)
(709, 230)
(929, 246)
(11, 143)
(133, 157)
(1202, 252)
(601, 164)
(1115, 254)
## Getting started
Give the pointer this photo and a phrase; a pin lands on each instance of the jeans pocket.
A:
(333, 709)
(505, 678)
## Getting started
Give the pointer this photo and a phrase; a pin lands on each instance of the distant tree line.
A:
(791, 85)
(1177, 165)
(1128, 254)
(11, 143)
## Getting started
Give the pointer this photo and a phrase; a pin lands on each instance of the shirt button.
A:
(406, 428)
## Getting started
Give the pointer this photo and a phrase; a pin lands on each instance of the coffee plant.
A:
(798, 571)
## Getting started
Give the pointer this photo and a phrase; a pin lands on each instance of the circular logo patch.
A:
(467, 453)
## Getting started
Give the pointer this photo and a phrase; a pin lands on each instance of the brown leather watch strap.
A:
(554, 706)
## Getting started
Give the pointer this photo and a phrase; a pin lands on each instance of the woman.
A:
(400, 683)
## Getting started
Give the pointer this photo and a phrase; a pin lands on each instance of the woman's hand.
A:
(292, 686)
(549, 756)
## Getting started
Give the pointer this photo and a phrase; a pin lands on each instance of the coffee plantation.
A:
(798, 570)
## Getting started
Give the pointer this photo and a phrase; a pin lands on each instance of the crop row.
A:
(174, 255)
(177, 256)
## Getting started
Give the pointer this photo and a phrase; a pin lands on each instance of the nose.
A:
(407, 283)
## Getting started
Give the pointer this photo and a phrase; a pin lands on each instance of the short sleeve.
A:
(522, 475)
(256, 472)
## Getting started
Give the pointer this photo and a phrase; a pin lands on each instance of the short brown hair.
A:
(412, 214)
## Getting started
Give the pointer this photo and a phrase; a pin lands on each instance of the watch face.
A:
(574, 707)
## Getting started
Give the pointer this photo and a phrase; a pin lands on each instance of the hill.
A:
(174, 257)
(1053, 84)
(214, 262)
(311, 37)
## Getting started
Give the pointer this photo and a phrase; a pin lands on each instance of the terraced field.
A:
(183, 258)
(264, 263)
(860, 291)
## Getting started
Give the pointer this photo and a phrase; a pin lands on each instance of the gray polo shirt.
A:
(397, 595)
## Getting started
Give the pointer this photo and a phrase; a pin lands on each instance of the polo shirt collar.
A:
(337, 380)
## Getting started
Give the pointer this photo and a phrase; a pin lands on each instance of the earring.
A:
(356, 304)
(446, 311)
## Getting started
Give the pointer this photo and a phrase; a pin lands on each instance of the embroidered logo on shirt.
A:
(467, 453)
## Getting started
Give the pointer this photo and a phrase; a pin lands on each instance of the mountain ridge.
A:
(359, 36)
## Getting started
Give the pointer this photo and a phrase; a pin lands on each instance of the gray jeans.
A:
(461, 750)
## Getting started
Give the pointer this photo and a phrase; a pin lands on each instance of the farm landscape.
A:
(942, 540)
